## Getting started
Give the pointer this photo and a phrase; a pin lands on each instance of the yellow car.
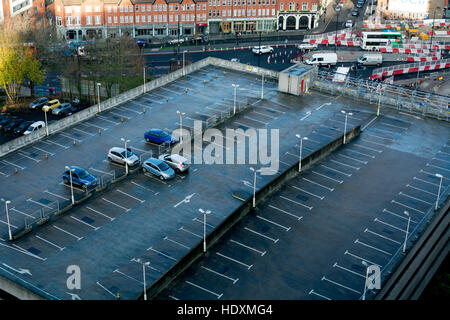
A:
(52, 104)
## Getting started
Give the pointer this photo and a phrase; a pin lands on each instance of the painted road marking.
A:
(434, 184)
(106, 119)
(143, 187)
(188, 231)
(262, 122)
(346, 174)
(67, 232)
(332, 128)
(117, 205)
(432, 165)
(364, 147)
(248, 247)
(209, 291)
(379, 137)
(70, 137)
(308, 113)
(340, 285)
(262, 235)
(335, 265)
(391, 125)
(354, 159)
(56, 195)
(86, 123)
(264, 115)
(389, 225)
(42, 150)
(360, 258)
(432, 174)
(300, 204)
(162, 254)
(206, 224)
(398, 216)
(180, 244)
(370, 122)
(274, 223)
(51, 243)
(98, 283)
(55, 143)
(381, 236)
(234, 260)
(325, 176)
(322, 105)
(307, 192)
(320, 134)
(345, 165)
(320, 185)
(25, 214)
(129, 195)
(41, 204)
(377, 143)
(108, 173)
(120, 115)
(13, 164)
(220, 274)
(288, 213)
(319, 295)
(84, 132)
(411, 208)
(12, 226)
(368, 246)
(28, 157)
(404, 194)
(98, 212)
(129, 277)
(441, 160)
(363, 154)
(410, 186)
(85, 223)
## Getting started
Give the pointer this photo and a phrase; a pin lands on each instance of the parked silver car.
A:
(38, 103)
(122, 156)
(176, 162)
(63, 107)
(158, 168)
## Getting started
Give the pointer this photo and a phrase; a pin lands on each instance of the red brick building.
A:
(27, 8)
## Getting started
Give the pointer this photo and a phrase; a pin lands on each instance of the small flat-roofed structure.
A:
(296, 79)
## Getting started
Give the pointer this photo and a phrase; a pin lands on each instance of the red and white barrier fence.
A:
(381, 73)
(407, 51)
(421, 59)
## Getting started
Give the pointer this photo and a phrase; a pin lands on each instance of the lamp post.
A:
(254, 185)
(335, 37)
(98, 96)
(126, 154)
(144, 79)
(432, 27)
(407, 230)
(345, 125)
(300, 153)
(144, 264)
(7, 218)
(181, 124)
(71, 184)
(184, 72)
(379, 100)
(365, 282)
(234, 104)
(439, 190)
(45, 116)
(262, 87)
(204, 226)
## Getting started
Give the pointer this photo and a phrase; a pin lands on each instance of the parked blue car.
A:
(80, 177)
(159, 136)
(159, 168)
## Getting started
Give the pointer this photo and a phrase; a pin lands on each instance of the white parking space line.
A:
(404, 205)
(262, 122)
(70, 137)
(367, 148)
(332, 169)
(220, 274)
(206, 224)
(50, 243)
(168, 90)
(12, 226)
(28, 157)
(67, 232)
(264, 115)
(434, 184)
(418, 189)
(381, 236)
(336, 265)
(22, 250)
(384, 130)
(307, 192)
(373, 142)
(372, 247)
(108, 173)
(98, 283)
(117, 205)
(188, 231)
(432, 174)
(398, 216)
(129, 277)
(262, 235)
(325, 176)
(360, 258)
(391, 125)
(98, 212)
(321, 134)
(444, 152)
(332, 128)
(143, 187)
(234, 260)
(162, 254)
(298, 203)
(262, 253)
(130, 109)
(274, 223)
(107, 120)
(42, 150)
(129, 195)
(351, 158)
(209, 291)
(406, 195)
(318, 184)
(441, 160)
(389, 225)
(56, 195)
(150, 100)
(88, 124)
(85, 223)
(344, 164)
(317, 294)
(357, 152)
(285, 212)
(432, 165)
(38, 203)
(13, 164)
(57, 144)
(379, 137)
(84, 132)
(176, 242)
(23, 213)
(74, 188)
(120, 115)
(340, 285)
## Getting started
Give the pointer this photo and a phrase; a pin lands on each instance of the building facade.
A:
(27, 8)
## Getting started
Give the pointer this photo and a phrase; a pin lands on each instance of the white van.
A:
(373, 59)
(323, 59)
(34, 126)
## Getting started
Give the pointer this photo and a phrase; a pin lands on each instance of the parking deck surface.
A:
(142, 217)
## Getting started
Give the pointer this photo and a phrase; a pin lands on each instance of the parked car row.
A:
(16, 125)
(56, 107)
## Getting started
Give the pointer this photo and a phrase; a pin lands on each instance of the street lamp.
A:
(144, 79)
(407, 230)
(262, 87)
(254, 185)
(335, 38)
(301, 148)
(204, 226)
(98, 96)
(365, 282)
(45, 116)
(345, 125)
(7, 218)
(439, 191)
(144, 264)
(71, 184)
(184, 72)
(234, 105)
(432, 28)
(379, 99)
(126, 154)
(181, 124)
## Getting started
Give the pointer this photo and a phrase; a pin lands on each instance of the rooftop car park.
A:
(158, 221)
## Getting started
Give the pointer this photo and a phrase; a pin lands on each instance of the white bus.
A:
(373, 40)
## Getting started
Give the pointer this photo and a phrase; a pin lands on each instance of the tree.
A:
(17, 61)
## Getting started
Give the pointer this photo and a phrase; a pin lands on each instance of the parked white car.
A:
(262, 49)
(176, 162)
(307, 46)
(349, 23)
(176, 41)
(34, 126)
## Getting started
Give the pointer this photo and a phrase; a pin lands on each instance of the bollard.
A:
(224, 72)
(204, 81)
(46, 156)
(144, 110)
(167, 99)
(186, 90)
(15, 170)
(99, 131)
(121, 119)
(74, 142)
(216, 75)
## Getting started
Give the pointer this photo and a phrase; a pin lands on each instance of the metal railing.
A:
(410, 65)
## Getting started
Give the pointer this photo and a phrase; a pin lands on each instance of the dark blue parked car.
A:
(80, 177)
(159, 136)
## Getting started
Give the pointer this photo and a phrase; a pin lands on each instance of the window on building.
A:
(121, 9)
(130, 8)
(143, 19)
(58, 8)
(170, 7)
(149, 19)
(204, 17)
(131, 19)
(68, 10)
(281, 6)
(254, 12)
(115, 19)
(291, 6)
(126, 8)
(126, 19)
(77, 20)
(209, 13)
(136, 8)
(165, 7)
(143, 8)
(97, 8)
(149, 8)
(97, 20)
(305, 6)
(187, 6)
(108, 9)
(88, 9)
(229, 13)
(224, 13)
(259, 12)
(115, 9)
(204, 7)
(314, 6)
(121, 19)
(165, 18)
(58, 21)
(68, 21)
(159, 7)
(109, 20)
(89, 20)
(137, 19)
(170, 18)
